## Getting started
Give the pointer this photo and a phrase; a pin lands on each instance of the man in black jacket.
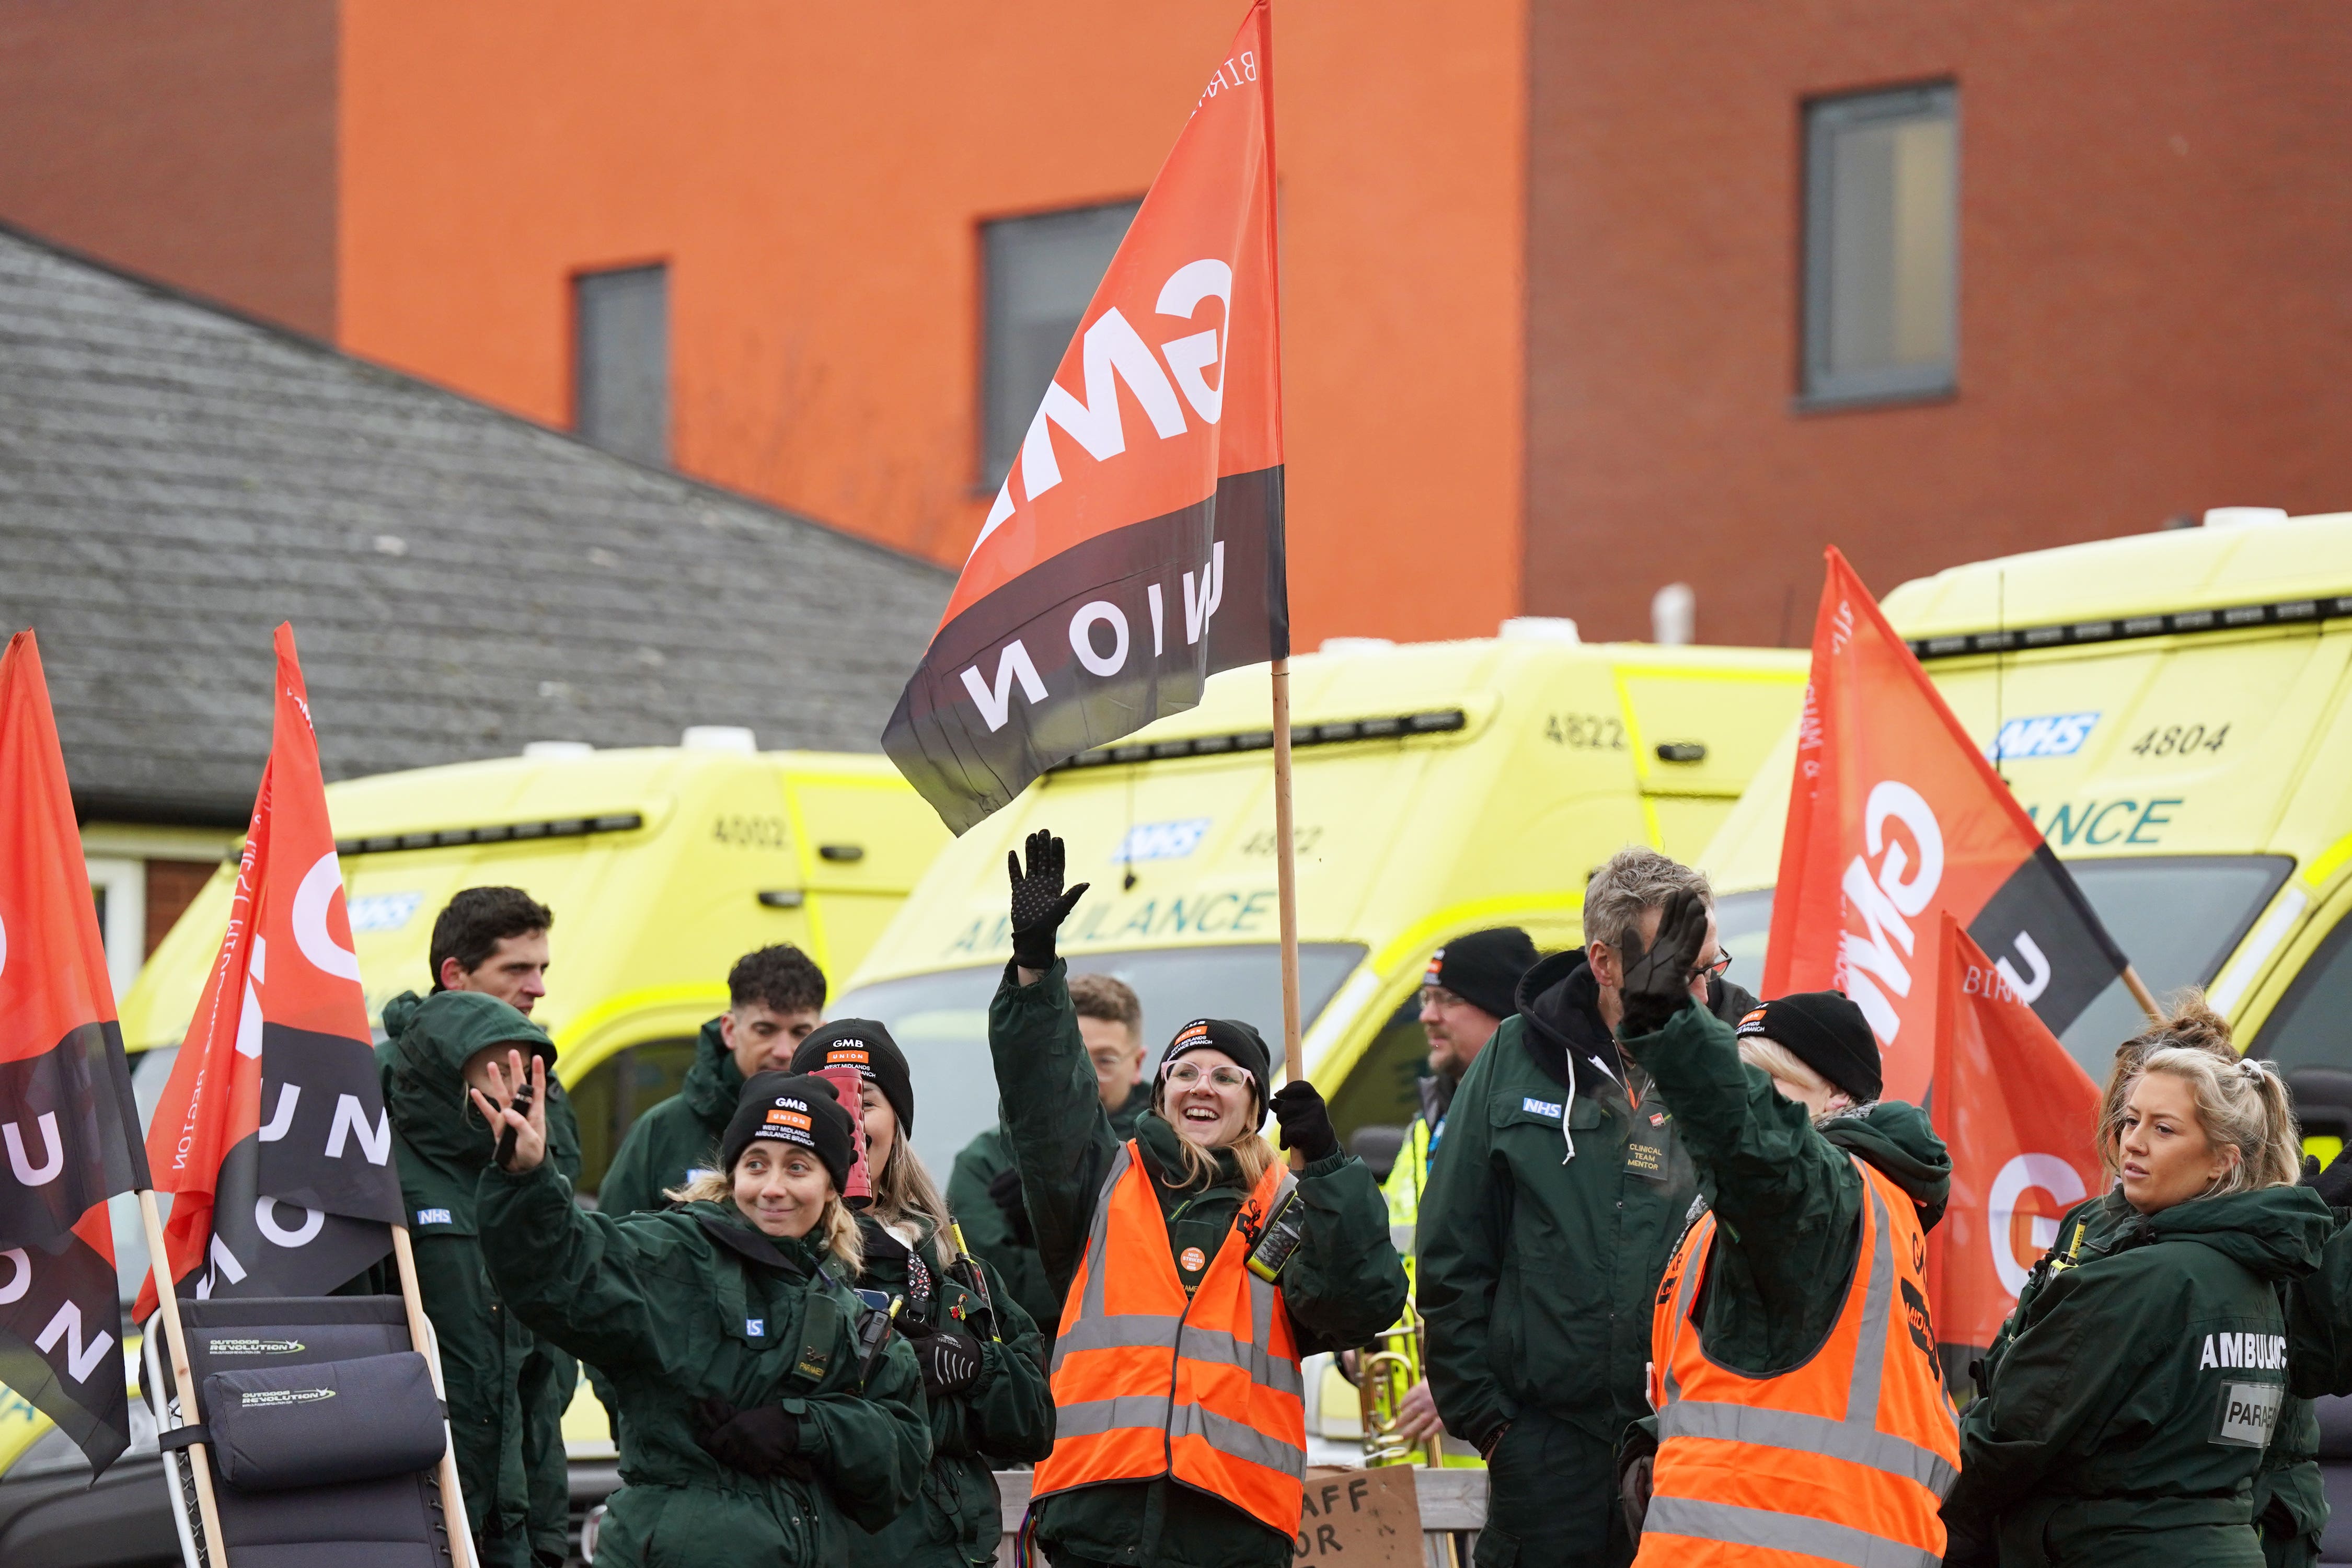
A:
(1554, 1202)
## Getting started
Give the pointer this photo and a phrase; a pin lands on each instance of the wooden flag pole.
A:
(420, 1336)
(1285, 872)
(167, 1301)
(2141, 994)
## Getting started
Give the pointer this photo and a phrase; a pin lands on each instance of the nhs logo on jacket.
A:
(2046, 735)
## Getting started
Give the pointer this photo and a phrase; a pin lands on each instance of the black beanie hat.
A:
(1483, 968)
(790, 1108)
(865, 1045)
(1231, 1036)
(1826, 1032)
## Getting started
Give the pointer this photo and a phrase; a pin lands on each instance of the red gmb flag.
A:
(68, 1127)
(1896, 818)
(1136, 547)
(2019, 1117)
(272, 1135)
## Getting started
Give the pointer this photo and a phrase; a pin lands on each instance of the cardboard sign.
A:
(1361, 1519)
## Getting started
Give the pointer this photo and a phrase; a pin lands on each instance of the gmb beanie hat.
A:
(1827, 1032)
(1483, 968)
(793, 1108)
(865, 1045)
(1231, 1036)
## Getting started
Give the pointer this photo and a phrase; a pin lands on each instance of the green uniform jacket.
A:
(1537, 1269)
(1005, 1417)
(692, 1303)
(2107, 1430)
(507, 1389)
(678, 1137)
(2290, 1501)
(1342, 1286)
(1786, 1198)
(989, 1233)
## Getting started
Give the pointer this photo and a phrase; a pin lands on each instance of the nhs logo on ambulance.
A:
(2049, 735)
(1161, 840)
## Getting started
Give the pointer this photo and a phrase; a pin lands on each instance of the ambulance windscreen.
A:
(2177, 917)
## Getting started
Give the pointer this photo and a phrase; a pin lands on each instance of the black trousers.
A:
(1552, 1499)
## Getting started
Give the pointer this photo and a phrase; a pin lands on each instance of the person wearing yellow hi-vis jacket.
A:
(1465, 993)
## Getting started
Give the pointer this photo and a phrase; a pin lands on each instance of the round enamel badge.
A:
(1191, 1260)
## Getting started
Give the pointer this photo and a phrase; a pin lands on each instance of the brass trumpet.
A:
(1385, 1371)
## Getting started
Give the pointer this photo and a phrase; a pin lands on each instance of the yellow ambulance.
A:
(663, 865)
(2174, 710)
(1440, 788)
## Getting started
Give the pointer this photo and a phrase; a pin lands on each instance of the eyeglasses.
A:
(1439, 997)
(1184, 1075)
(1718, 969)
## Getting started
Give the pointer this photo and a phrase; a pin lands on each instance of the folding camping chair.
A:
(324, 1434)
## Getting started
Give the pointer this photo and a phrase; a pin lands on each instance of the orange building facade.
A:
(814, 180)
(1555, 294)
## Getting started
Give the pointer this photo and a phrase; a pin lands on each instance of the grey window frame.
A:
(990, 472)
(582, 397)
(1820, 386)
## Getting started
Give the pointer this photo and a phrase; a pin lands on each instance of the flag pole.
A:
(2141, 994)
(420, 1336)
(167, 1302)
(1286, 873)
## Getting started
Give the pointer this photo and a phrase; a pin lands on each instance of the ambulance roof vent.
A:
(721, 738)
(2243, 516)
(545, 751)
(1540, 628)
(1354, 645)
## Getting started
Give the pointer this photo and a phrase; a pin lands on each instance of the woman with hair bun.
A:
(2136, 1392)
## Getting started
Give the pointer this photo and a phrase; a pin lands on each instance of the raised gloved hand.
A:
(1004, 1192)
(761, 1441)
(949, 1359)
(1039, 904)
(2332, 1184)
(1304, 1120)
(1658, 977)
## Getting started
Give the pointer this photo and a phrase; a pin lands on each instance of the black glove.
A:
(1039, 905)
(761, 1441)
(1004, 1192)
(1304, 1120)
(506, 1133)
(949, 1359)
(2332, 1184)
(1657, 979)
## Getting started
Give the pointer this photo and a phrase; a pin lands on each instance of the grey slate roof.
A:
(176, 479)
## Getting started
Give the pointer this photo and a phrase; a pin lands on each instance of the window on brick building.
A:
(620, 358)
(1040, 272)
(1882, 244)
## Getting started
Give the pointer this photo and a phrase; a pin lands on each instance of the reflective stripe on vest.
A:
(1147, 1382)
(1845, 1459)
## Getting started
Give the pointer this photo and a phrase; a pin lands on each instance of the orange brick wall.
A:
(815, 177)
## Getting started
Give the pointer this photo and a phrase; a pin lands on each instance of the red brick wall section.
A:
(191, 142)
(2155, 291)
(172, 886)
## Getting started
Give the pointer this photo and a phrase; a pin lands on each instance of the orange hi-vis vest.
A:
(1148, 1383)
(1843, 1459)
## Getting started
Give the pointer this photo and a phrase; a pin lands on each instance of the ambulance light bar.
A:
(1436, 721)
(2228, 619)
(496, 833)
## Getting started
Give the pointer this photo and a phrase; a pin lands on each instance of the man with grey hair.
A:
(1553, 1205)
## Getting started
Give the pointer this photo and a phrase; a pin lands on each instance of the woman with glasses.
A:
(1197, 1269)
